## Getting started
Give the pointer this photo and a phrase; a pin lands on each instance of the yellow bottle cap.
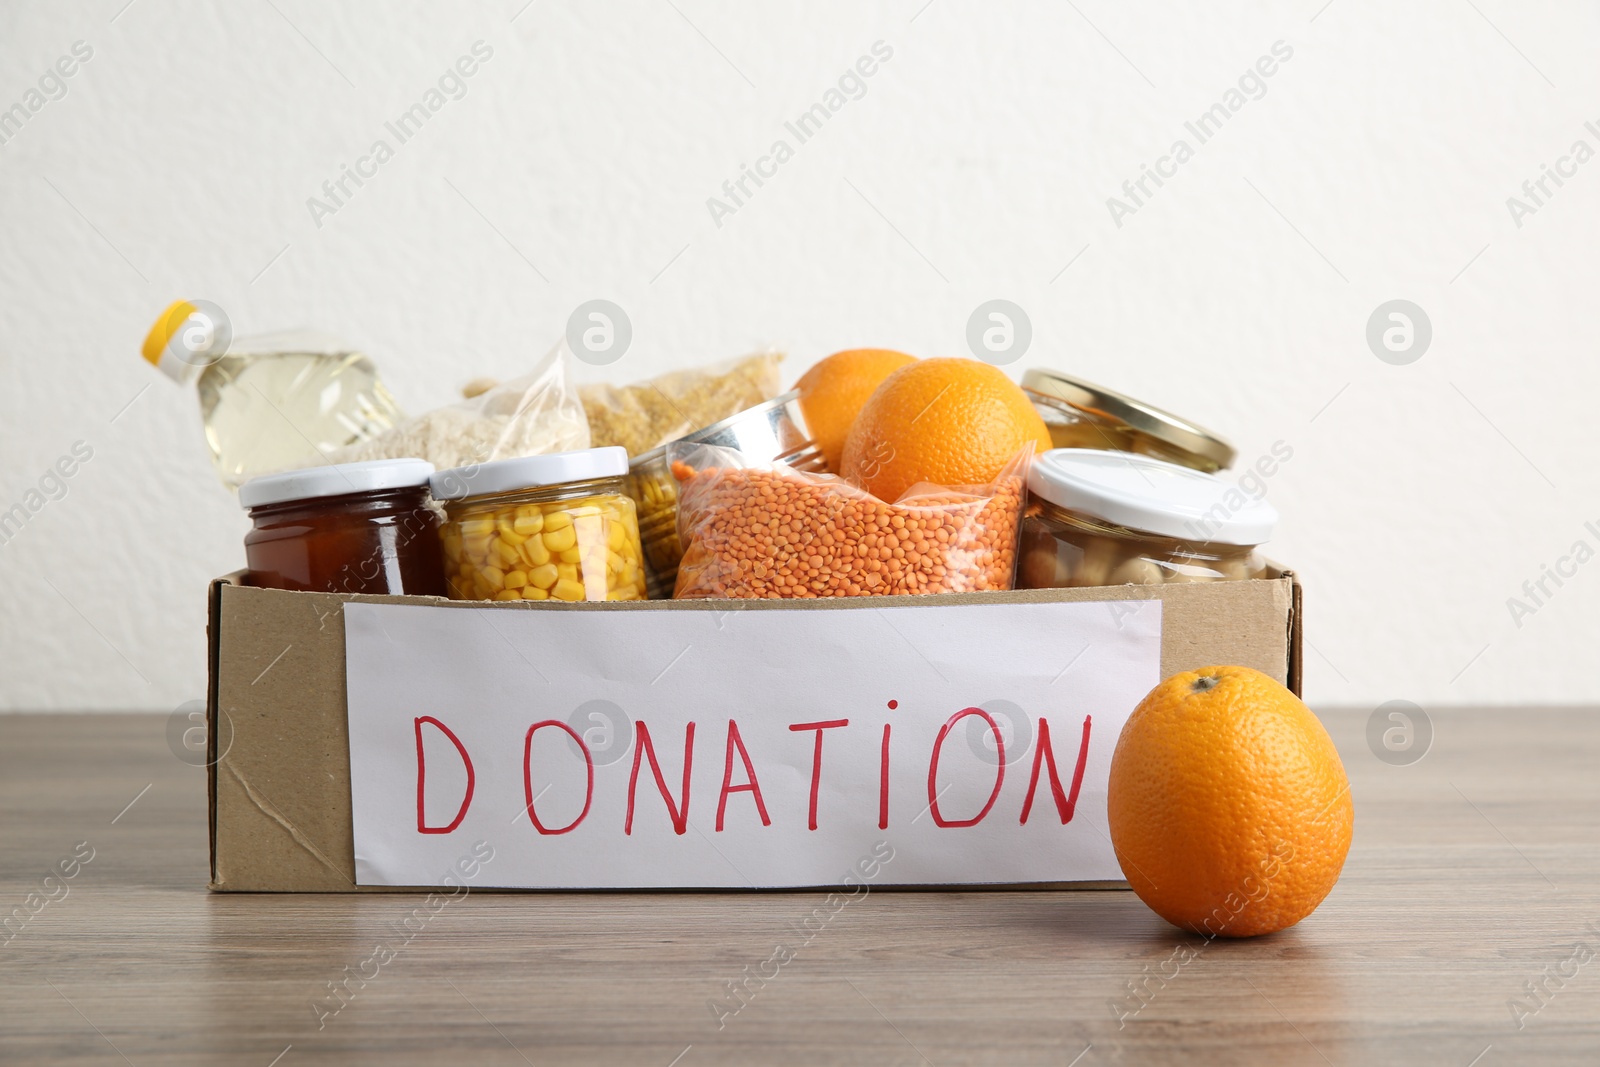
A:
(161, 334)
(189, 336)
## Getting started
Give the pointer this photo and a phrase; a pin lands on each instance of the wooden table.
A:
(1475, 872)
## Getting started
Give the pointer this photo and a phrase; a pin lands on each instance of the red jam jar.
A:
(345, 528)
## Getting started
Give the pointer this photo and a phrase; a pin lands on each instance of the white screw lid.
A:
(530, 472)
(334, 479)
(1143, 493)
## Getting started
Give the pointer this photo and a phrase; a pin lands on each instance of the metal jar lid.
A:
(1108, 404)
(772, 430)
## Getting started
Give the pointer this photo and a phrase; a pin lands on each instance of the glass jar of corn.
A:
(552, 527)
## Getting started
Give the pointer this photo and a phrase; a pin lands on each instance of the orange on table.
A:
(832, 392)
(946, 421)
(1229, 807)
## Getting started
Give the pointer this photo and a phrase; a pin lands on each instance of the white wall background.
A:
(977, 165)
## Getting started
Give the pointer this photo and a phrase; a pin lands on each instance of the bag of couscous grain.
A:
(769, 531)
(648, 414)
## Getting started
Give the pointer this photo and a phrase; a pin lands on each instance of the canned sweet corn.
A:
(554, 527)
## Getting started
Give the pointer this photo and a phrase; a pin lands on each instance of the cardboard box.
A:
(280, 767)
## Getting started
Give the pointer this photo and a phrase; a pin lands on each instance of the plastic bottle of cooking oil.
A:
(273, 402)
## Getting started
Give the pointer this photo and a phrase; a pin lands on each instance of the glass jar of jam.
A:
(1081, 414)
(345, 528)
(1111, 518)
(554, 527)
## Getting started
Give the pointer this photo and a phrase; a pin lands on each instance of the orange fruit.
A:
(832, 392)
(1229, 807)
(945, 421)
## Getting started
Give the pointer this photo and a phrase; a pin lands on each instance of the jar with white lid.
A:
(345, 528)
(1113, 518)
(553, 527)
(1080, 414)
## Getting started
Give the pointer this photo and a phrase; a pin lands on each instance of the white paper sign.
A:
(760, 748)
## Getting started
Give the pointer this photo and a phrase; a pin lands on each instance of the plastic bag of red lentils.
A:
(768, 531)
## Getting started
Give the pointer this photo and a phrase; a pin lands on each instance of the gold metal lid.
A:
(1108, 404)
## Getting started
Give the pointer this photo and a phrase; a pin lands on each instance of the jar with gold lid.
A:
(1080, 414)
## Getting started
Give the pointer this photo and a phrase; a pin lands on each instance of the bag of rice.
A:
(525, 416)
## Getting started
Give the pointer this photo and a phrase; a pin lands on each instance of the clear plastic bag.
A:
(769, 531)
(648, 414)
(526, 416)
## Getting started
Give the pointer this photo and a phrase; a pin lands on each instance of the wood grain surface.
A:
(1474, 879)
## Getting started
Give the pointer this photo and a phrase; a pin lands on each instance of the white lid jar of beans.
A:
(552, 527)
(1115, 518)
